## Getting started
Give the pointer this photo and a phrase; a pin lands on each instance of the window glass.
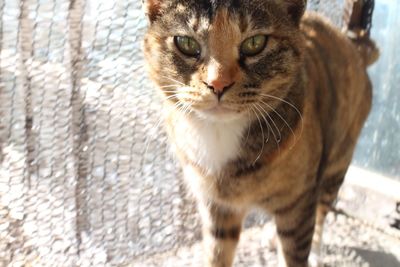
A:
(379, 146)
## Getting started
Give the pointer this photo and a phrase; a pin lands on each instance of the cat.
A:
(264, 103)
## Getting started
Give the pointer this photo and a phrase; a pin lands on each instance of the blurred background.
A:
(379, 146)
(86, 175)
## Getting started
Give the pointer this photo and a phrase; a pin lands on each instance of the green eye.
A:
(253, 45)
(187, 45)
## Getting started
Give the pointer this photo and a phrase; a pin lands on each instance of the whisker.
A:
(147, 141)
(183, 108)
(187, 109)
(179, 92)
(171, 96)
(266, 122)
(180, 106)
(248, 129)
(287, 124)
(293, 106)
(284, 101)
(270, 128)
(262, 133)
(174, 95)
(178, 95)
(171, 79)
(170, 85)
(276, 127)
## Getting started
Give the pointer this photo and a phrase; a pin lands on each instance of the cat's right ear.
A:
(152, 9)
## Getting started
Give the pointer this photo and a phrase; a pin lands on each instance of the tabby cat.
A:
(263, 106)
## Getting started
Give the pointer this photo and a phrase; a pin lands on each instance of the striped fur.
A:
(281, 138)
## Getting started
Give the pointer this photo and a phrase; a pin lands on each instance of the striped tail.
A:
(358, 23)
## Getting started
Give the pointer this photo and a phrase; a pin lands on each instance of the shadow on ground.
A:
(377, 258)
(353, 256)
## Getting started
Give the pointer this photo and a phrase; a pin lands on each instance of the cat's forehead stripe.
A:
(198, 24)
(199, 15)
(224, 32)
(245, 17)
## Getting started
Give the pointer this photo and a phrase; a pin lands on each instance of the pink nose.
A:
(219, 87)
(220, 78)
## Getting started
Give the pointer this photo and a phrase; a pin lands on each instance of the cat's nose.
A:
(219, 87)
(220, 77)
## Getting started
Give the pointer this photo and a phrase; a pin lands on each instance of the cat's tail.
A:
(359, 23)
(367, 48)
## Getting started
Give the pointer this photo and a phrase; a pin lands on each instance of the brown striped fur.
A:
(281, 138)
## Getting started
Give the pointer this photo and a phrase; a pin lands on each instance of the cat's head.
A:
(224, 59)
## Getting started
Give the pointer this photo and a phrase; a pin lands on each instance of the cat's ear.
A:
(295, 9)
(152, 9)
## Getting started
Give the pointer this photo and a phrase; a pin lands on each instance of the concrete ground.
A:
(362, 232)
(348, 242)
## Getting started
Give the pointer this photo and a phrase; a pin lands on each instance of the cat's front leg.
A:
(221, 232)
(295, 223)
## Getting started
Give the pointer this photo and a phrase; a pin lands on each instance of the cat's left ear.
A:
(295, 9)
(152, 9)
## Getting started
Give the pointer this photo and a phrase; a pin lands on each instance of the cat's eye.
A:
(187, 45)
(253, 45)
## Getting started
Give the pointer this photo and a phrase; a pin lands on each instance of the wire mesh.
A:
(86, 177)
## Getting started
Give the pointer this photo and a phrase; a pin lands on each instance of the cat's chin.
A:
(219, 113)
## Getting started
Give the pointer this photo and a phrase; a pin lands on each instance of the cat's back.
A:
(338, 80)
(333, 55)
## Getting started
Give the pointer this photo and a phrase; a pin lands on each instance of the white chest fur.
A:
(210, 144)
